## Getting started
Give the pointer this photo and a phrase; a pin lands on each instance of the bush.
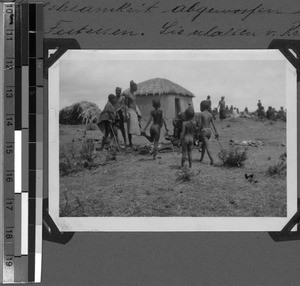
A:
(65, 165)
(278, 169)
(235, 156)
(67, 161)
(77, 112)
(185, 175)
(72, 161)
(87, 153)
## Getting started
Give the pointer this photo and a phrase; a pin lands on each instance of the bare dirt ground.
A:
(135, 185)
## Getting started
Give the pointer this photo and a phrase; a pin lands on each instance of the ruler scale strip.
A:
(18, 90)
(24, 125)
(39, 103)
(2, 134)
(21, 85)
(11, 147)
(32, 141)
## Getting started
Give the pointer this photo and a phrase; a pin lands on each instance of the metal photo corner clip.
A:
(53, 50)
(291, 50)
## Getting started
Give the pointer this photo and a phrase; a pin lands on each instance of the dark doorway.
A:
(177, 106)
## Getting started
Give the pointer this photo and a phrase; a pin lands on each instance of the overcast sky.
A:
(92, 76)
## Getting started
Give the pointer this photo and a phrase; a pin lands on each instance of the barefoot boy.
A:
(120, 110)
(206, 120)
(187, 136)
(158, 121)
(107, 120)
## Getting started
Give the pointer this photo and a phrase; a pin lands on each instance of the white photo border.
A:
(144, 224)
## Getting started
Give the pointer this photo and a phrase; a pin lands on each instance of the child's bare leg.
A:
(130, 139)
(103, 143)
(114, 131)
(190, 158)
(155, 149)
(207, 147)
(203, 147)
(183, 153)
(122, 128)
(190, 155)
(147, 136)
(107, 132)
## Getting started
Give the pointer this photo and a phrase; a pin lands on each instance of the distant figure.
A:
(209, 103)
(222, 108)
(231, 109)
(120, 110)
(245, 113)
(187, 136)
(227, 110)
(282, 114)
(235, 113)
(270, 114)
(261, 112)
(206, 120)
(158, 120)
(107, 120)
(133, 113)
(259, 105)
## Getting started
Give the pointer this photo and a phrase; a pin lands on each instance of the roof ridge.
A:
(161, 86)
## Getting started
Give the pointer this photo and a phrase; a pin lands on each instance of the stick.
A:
(217, 139)
(117, 143)
(220, 144)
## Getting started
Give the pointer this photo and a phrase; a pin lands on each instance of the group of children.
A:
(191, 128)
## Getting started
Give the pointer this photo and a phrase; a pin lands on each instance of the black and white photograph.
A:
(172, 140)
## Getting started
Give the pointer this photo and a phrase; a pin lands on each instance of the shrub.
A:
(235, 156)
(185, 175)
(78, 112)
(67, 161)
(87, 153)
(278, 169)
(65, 165)
(72, 161)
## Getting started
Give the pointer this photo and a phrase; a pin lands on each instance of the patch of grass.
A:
(216, 192)
(67, 160)
(278, 169)
(70, 162)
(184, 175)
(87, 153)
(235, 156)
(70, 208)
(91, 127)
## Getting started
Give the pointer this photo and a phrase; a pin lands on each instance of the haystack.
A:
(173, 97)
(78, 113)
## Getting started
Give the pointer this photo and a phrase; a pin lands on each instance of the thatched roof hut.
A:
(173, 97)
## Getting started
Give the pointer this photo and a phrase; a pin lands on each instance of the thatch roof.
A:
(160, 86)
